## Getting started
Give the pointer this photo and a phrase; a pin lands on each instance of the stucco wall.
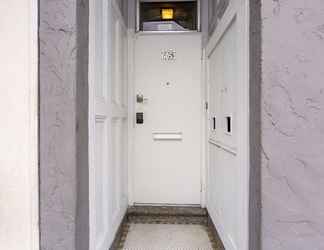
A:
(292, 125)
(63, 118)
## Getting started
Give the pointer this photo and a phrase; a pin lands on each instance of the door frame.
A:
(34, 125)
(239, 9)
(132, 34)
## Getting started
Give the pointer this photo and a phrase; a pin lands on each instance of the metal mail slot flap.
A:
(175, 136)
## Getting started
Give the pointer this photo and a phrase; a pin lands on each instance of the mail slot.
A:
(164, 136)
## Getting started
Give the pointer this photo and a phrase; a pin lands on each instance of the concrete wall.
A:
(63, 109)
(292, 125)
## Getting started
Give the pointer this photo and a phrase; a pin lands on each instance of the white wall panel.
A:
(228, 169)
(108, 122)
(19, 119)
(99, 173)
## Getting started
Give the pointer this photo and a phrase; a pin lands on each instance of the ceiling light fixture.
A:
(167, 14)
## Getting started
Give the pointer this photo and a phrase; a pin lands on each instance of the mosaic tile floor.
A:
(167, 228)
(167, 237)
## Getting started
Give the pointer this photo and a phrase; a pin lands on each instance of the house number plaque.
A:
(168, 55)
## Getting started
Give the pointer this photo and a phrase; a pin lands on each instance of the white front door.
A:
(168, 101)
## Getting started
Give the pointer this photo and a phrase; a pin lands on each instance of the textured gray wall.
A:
(82, 131)
(293, 125)
(63, 152)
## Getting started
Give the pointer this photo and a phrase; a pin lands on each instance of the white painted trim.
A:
(207, 153)
(91, 120)
(131, 114)
(218, 33)
(223, 146)
(204, 129)
(19, 191)
(107, 68)
(117, 10)
(33, 126)
(243, 140)
(237, 9)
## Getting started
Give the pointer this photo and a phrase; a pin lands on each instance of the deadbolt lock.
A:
(139, 98)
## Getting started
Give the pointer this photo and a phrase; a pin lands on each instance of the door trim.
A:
(34, 120)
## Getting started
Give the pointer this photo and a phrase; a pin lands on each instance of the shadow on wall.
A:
(82, 131)
(255, 210)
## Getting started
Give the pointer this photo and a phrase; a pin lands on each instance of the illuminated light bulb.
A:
(167, 14)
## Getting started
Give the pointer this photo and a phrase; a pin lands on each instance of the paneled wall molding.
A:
(108, 79)
(217, 9)
(219, 144)
(227, 54)
(118, 11)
